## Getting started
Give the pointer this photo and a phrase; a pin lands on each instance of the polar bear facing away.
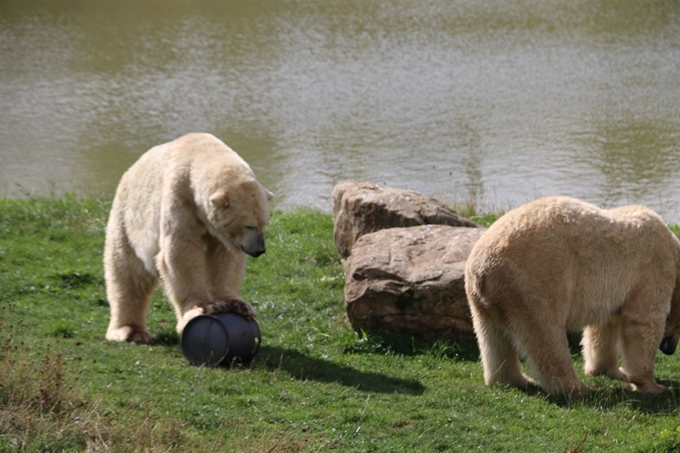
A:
(558, 264)
(187, 212)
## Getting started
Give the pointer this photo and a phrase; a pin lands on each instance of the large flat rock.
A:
(411, 281)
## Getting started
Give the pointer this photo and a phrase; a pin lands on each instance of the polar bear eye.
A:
(250, 228)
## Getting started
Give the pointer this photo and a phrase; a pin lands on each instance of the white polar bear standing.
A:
(558, 264)
(187, 212)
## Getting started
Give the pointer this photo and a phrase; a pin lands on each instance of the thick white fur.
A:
(558, 264)
(187, 212)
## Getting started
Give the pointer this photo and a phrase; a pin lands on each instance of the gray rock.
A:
(360, 208)
(411, 281)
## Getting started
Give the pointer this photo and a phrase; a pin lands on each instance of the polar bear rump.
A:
(186, 214)
(557, 265)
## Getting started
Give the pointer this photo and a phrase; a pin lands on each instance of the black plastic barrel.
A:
(210, 340)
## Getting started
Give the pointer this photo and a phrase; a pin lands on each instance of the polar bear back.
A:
(559, 248)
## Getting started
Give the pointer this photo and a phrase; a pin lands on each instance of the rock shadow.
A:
(464, 349)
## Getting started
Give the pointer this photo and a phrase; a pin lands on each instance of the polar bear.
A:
(187, 212)
(558, 264)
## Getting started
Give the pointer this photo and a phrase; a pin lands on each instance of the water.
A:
(493, 102)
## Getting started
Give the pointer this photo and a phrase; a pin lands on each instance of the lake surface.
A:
(493, 102)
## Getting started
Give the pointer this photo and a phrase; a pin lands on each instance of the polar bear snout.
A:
(668, 345)
(253, 243)
(254, 253)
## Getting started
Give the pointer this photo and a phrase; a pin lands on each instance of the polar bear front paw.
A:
(231, 306)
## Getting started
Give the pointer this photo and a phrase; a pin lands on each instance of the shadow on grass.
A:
(303, 367)
(167, 338)
(665, 403)
(463, 350)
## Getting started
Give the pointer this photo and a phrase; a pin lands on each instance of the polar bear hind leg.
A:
(549, 359)
(129, 287)
(500, 358)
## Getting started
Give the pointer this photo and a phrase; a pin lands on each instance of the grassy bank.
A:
(313, 387)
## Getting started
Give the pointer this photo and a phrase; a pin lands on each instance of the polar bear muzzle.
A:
(253, 242)
(668, 345)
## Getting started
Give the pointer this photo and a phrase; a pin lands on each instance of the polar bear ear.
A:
(220, 200)
(269, 194)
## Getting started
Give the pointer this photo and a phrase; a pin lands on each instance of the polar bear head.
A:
(672, 331)
(238, 214)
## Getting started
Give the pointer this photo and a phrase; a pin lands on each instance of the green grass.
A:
(314, 386)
